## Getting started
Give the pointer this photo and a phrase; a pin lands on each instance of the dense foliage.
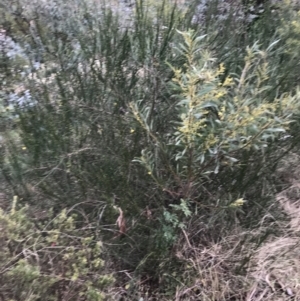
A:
(160, 125)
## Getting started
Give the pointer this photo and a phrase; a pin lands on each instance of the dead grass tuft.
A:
(238, 267)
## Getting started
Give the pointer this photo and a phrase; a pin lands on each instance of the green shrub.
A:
(50, 260)
(223, 136)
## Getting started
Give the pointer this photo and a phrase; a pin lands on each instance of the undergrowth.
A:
(155, 143)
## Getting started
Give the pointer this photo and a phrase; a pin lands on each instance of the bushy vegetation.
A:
(50, 260)
(154, 135)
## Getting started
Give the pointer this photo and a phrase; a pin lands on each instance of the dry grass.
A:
(237, 268)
